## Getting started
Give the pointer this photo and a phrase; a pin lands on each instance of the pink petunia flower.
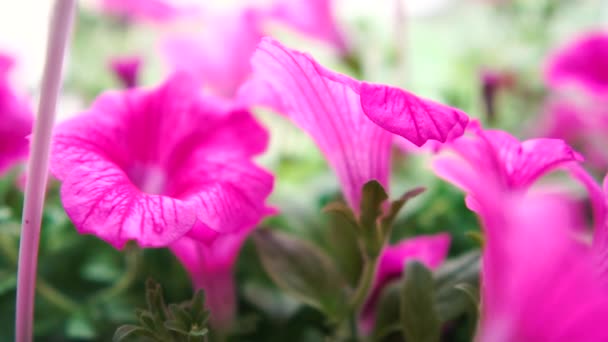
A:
(493, 156)
(210, 266)
(582, 62)
(539, 282)
(153, 165)
(335, 110)
(430, 250)
(17, 120)
(314, 18)
(126, 69)
(219, 56)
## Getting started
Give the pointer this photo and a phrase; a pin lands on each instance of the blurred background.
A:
(484, 56)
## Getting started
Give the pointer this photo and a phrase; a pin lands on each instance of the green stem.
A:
(55, 297)
(365, 283)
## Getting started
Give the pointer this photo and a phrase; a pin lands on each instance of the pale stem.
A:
(37, 171)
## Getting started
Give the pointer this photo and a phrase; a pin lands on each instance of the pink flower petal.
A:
(582, 62)
(497, 157)
(429, 250)
(410, 116)
(153, 165)
(525, 162)
(324, 105)
(532, 264)
(210, 267)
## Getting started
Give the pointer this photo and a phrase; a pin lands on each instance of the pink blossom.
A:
(539, 282)
(126, 69)
(430, 250)
(311, 17)
(210, 267)
(219, 56)
(17, 119)
(153, 165)
(335, 111)
(582, 62)
(493, 156)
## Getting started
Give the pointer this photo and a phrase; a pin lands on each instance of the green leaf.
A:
(396, 206)
(461, 271)
(371, 204)
(341, 234)
(472, 293)
(177, 326)
(340, 209)
(387, 312)
(125, 331)
(180, 314)
(303, 270)
(197, 308)
(371, 234)
(146, 320)
(154, 298)
(419, 319)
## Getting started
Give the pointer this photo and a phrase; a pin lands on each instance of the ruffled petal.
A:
(492, 156)
(158, 164)
(325, 106)
(101, 200)
(525, 162)
(410, 116)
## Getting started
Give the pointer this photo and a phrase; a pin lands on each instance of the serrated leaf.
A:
(373, 195)
(303, 270)
(419, 319)
(397, 205)
(128, 330)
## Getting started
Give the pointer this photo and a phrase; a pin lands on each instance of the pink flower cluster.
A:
(173, 166)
